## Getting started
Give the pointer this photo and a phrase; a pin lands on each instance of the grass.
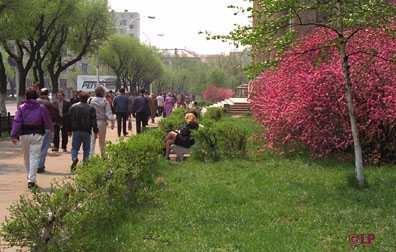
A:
(271, 204)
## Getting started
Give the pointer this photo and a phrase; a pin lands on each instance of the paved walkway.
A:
(13, 175)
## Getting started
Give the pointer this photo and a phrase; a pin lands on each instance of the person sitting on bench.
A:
(183, 136)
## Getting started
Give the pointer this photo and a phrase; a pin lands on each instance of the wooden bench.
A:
(180, 152)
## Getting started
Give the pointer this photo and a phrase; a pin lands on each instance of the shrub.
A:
(222, 140)
(303, 101)
(63, 219)
(215, 94)
(173, 122)
(214, 113)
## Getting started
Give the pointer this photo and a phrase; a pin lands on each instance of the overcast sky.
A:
(179, 21)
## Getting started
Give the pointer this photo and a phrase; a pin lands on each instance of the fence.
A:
(6, 124)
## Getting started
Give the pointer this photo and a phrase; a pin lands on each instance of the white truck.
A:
(88, 83)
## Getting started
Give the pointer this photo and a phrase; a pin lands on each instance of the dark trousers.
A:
(59, 129)
(122, 119)
(160, 111)
(141, 122)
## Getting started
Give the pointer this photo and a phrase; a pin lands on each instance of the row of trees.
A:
(275, 29)
(194, 75)
(48, 36)
(134, 64)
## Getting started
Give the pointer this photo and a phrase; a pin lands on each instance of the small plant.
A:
(214, 113)
(173, 122)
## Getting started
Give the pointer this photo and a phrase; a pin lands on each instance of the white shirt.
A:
(160, 101)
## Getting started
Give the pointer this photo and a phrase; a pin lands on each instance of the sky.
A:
(178, 22)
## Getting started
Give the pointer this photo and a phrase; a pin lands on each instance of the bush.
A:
(222, 140)
(63, 219)
(303, 99)
(214, 113)
(173, 122)
(215, 94)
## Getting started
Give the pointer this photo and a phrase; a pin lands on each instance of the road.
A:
(11, 107)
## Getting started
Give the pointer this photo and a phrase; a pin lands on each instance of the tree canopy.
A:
(134, 64)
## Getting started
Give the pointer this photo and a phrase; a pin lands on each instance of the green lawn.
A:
(274, 204)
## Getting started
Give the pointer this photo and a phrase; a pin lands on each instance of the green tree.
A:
(29, 24)
(83, 32)
(5, 7)
(134, 64)
(277, 22)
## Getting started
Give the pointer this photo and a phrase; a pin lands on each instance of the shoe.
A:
(65, 150)
(73, 166)
(32, 185)
(41, 170)
(55, 150)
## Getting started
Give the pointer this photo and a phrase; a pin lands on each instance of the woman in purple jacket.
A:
(31, 121)
(169, 104)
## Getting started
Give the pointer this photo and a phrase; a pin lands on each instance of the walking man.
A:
(141, 111)
(153, 107)
(31, 121)
(44, 100)
(83, 122)
(160, 104)
(103, 115)
(120, 104)
(63, 107)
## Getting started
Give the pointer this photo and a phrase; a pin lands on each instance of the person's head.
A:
(122, 91)
(100, 91)
(44, 93)
(191, 117)
(31, 94)
(142, 92)
(60, 96)
(84, 97)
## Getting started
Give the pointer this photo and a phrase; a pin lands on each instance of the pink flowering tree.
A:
(276, 25)
(303, 99)
(216, 94)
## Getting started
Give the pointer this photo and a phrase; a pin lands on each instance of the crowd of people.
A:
(40, 122)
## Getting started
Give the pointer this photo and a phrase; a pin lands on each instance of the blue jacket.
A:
(120, 104)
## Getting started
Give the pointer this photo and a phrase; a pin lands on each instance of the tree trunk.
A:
(41, 78)
(54, 82)
(21, 82)
(351, 110)
(3, 87)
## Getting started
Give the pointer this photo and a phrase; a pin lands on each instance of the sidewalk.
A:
(13, 175)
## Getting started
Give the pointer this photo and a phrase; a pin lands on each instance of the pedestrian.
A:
(120, 104)
(141, 111)
(48, 135)
(160, 104)
(153, 107)
(31, 121)
(76, 97)
(61, 127)
(103, 116)
(109, 98)
(168, 104)
(83, 122)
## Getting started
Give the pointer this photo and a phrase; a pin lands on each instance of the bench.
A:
(180, 152)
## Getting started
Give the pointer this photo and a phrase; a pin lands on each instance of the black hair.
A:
(122, 90)
(31, 94)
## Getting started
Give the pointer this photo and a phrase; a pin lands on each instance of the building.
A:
(127, 23)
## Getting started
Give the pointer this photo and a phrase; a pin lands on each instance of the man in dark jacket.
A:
(83, 122)
(44, 100)
(120, 104)
(62, 107)
(141, 111)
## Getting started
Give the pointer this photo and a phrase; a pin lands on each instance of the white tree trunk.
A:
(351, 110)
